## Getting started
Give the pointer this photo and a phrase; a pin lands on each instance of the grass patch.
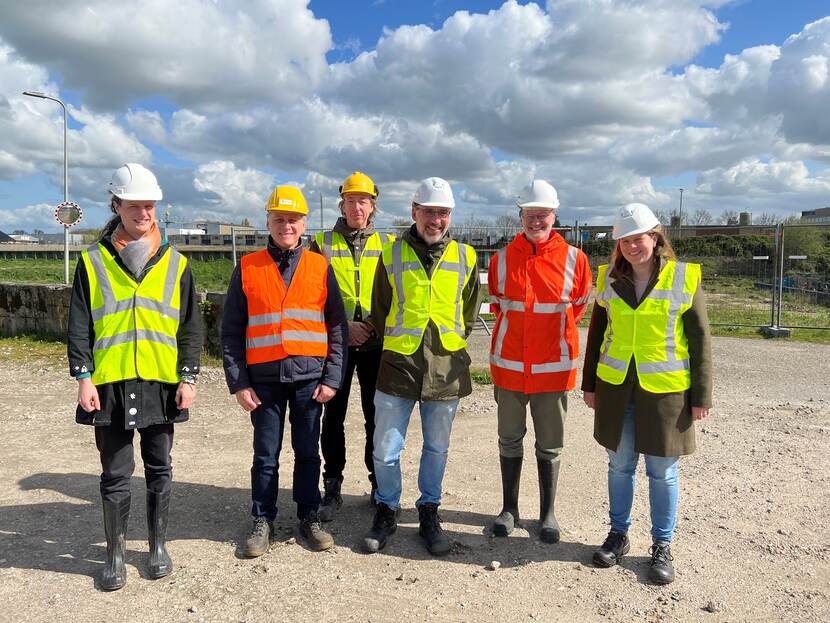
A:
(33, 270)
(29, 348)
(481, 376)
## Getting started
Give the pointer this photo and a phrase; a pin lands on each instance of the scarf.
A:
(136, 253)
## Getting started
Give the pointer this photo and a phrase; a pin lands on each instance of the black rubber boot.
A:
(548, 478)
(158, 505)
(116, 518)
(437, 542)
(332, 500)
(511, 473)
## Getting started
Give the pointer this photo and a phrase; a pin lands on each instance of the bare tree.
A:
(729, 217)
(664, 216)
(701, 217)
(766, 218)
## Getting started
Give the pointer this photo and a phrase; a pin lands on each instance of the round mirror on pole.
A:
(68, 213)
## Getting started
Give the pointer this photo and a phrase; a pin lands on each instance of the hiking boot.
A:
(332, 500)
(511, 472)
(259, 538)
(430, 530)
(315, 537)
(661, 570)
(548, 479)
(612, 550)
(116, 517)
(158, 505)
(383, 526)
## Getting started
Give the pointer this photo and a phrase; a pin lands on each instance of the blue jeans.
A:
(268, 420)
(391, 421)
(662, 484)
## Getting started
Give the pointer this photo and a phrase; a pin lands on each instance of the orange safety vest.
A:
(283, 323)
(541, 294)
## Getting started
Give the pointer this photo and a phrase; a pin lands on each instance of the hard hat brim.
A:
(538, 204)
(435, 204)
(149, 196)
(639, 230)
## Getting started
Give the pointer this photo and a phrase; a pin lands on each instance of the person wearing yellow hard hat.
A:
(648, 380)
(284, 336)
(352, 248)
(134, 340)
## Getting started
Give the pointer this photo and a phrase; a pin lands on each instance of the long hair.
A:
(621, 267)
(114, 222)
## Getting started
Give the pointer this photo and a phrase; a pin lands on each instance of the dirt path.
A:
(752, 540)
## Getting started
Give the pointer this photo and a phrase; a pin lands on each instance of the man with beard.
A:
(425, 301)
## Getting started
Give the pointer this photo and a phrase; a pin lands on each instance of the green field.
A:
(731, 300)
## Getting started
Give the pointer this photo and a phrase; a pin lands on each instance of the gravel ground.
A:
(751, 545)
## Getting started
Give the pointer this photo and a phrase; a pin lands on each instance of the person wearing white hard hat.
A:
(425, 301)
(539, 288)
(647, 376)
(134, 342)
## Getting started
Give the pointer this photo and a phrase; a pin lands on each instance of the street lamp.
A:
(680, 216)
(43, 96)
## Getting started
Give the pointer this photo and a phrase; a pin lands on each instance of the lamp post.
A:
(680, 216)
(43, 96)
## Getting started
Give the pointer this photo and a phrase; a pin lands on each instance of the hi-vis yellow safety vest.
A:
(652, 334)
(355, 280)
(417, 298)
(135, 324)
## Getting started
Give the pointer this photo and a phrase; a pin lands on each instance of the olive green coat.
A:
(663, 422)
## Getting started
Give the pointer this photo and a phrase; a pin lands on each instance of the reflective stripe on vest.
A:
(418, 298)
(135, 324)
(507, 305)
(283, 323)
(652, 333)
(355, 280)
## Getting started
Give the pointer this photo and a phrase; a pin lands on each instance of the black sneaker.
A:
(437, 542)
(383, 525)
(615, 546)
(316, 538)
(258, 539)
(661, 570)
(332, 500)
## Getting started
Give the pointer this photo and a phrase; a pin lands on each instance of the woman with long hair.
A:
(647, 376)
(134, 340)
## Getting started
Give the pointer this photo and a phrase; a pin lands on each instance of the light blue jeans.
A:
(391, 421)
(662, 484)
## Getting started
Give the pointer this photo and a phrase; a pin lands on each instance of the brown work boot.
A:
(315, 537)
(259, 538)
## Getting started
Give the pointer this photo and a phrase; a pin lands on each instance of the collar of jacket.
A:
(625, 288)
(353, 235)
(420, 245)
(107, 242)
(529, 247)
(288, 255)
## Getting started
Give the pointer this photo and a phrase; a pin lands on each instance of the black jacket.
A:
(239, 375)
(154, 401)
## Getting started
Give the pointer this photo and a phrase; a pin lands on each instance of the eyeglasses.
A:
(436, 212)
(531, 217)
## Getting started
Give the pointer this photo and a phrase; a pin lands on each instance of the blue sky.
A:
(612, 101)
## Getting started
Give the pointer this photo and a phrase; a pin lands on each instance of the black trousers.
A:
(333, 438)
(115, 446)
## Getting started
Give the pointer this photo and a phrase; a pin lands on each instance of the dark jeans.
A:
(115, 445)
(269, 422)
(333, 440)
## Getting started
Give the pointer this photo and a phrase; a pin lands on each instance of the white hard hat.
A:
(434, 192)
(133, 182)
(539, 194)
(633, 219)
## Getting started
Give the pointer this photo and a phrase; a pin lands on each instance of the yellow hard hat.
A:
(359, 182)
(287, 199)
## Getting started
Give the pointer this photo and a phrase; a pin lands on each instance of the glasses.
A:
(536, 217)
(436, 212)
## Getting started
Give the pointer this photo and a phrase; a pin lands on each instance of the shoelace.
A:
(260, 527)
(660, 554)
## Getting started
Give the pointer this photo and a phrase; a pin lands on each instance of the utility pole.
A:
(680, 216)
(321, 211)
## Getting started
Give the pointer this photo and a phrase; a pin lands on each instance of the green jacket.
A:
(664, 425)
(431, 372)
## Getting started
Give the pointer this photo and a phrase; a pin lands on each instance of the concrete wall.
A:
(43, 310)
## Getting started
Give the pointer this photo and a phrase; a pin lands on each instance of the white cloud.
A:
(239, 193)
(755, 178)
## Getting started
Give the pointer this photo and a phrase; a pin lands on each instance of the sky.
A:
(612, 101)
